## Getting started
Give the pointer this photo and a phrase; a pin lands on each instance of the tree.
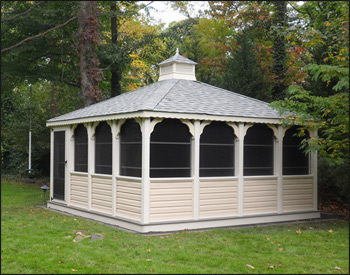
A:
(88, 38)
(279, 49)
(243, 74)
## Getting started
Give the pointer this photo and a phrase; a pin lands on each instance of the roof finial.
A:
(177, 50)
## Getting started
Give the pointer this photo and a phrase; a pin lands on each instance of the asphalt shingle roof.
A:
(177, 58)
(178, 96)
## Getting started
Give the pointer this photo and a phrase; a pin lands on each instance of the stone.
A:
(96, 236)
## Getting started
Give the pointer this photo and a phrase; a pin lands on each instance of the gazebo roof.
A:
(177, 96)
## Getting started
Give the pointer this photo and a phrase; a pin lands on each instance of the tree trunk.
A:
(88, 38)
(115, 70)
(279, 50)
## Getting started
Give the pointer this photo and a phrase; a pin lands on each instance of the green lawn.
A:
(36, 240)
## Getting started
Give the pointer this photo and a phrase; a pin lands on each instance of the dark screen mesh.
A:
(80, 149)
(103, 149)
(170, 150)
(130, 149)
(295, 161)
(217, 150)
(258, 151)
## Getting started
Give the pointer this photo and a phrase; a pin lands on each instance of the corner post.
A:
(145, 199)
(240, 168)
(196, 183)
(279, 168)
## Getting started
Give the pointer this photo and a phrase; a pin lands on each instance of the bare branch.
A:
(23, 13)
(39, 35)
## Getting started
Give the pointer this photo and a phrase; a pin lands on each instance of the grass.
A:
(35, 240)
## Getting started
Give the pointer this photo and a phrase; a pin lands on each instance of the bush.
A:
(333, 181)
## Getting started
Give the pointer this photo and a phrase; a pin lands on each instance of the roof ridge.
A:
(177, 80)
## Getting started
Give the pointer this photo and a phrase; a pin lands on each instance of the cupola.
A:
(177, 67)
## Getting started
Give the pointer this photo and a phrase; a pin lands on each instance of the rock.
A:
(78, 238)
(96, 236)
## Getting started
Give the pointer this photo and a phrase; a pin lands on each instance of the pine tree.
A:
(243, 75)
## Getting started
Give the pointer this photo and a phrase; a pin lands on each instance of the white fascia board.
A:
(146, 114)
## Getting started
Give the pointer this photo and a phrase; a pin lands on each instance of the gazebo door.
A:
(59, 164)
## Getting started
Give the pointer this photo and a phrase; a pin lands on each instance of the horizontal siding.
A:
(129, 198)
(101, 194)
(297, 194)
(79, 190)
(184, 68)
(171, 200)
(218, 198)
(260, 196)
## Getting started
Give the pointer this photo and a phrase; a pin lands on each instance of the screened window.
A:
(217, 150)
(80, 149)
(258, 151)
(103, 149)
(130, 149)
(170, 150)
(295, 161)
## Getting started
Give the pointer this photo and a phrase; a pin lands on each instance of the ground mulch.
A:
(334, 208)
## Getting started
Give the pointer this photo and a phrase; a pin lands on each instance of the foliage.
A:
(329, 115)
(243, 75)
(40, 241)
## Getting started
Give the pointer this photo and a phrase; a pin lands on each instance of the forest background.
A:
(58, 56)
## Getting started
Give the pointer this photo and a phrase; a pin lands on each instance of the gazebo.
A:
(180, 154)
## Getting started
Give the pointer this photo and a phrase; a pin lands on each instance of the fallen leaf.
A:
(298, 231)
(148, 250)
(162, 237)
(330, 230)
(342, 244)
(281, 249)
(151, 269)
(268, 238)
(311, 227)
(74, 270)
(250, 266)
(57, 247)
(149, 260)
(337, 268)
(271, 266)
(60, 262)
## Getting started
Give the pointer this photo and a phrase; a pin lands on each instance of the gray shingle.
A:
(178, 96)
(178, 58)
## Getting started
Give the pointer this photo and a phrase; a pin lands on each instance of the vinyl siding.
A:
(79, 190)
(129, 198)
(297, 193)
(260, 195)
(171, 199)
(101, 193)
(218, 197)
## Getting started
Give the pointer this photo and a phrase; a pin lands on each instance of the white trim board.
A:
(182, 225)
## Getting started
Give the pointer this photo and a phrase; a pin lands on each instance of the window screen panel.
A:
(258, 151)
(295, 161)
(130, 149)
(217, 150)
(103, 149)
(170, 150)
(80, 149)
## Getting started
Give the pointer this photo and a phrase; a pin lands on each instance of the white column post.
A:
(70, 160)
(279, 169)
(196, 150)
(240, 168)
(91, 157)
(145, 200)
(51, 162)
(115, 164)
(313, 171)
